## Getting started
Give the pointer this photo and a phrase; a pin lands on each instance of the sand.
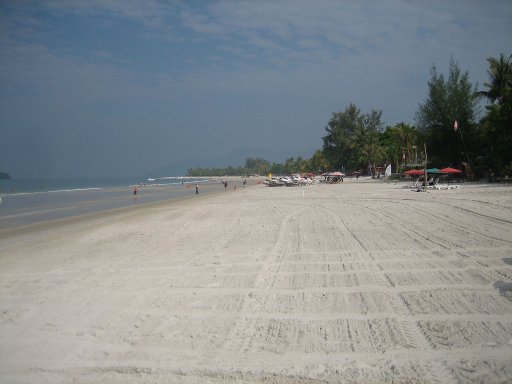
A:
(360, 282)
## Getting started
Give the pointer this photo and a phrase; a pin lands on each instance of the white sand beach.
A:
(358, 282)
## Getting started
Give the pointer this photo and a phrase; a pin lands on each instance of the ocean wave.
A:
(52, 191)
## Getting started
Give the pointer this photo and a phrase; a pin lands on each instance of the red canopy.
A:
(449, 170)
(414, 172)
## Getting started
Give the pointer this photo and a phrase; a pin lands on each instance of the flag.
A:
(455, 126)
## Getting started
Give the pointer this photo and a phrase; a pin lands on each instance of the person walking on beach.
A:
(197, 189)
(226, 185)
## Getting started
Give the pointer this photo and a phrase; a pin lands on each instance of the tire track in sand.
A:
(241, 337)
(458, 224)
(343, 224)
(416, 339)
(404, 227)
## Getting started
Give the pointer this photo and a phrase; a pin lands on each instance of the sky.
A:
(106, 88)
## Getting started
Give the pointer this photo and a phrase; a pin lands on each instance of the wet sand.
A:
(360, 282)
(24, 209)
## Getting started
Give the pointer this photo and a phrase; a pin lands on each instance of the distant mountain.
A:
(235, 158)
(4, 176)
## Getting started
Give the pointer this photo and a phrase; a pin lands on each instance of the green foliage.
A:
(338, 144)
(448, 100)
(496, 126)
(259, 167)
(252, 166)
(499, 90)
(402, 144)
(319, 162)
(257, 164)
(352, 139)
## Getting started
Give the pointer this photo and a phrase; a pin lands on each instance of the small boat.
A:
(273, 182)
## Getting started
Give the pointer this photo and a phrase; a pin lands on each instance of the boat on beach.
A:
(273, 182)
(288, 181)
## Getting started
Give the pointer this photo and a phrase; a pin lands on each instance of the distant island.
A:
(4, 176)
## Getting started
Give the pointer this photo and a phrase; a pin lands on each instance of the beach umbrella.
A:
(415, 172)
(433, 170)
(449, 170)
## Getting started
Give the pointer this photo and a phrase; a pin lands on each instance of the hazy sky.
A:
(104, 87)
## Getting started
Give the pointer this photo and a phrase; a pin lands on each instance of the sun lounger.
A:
(446, 186)
(437, 187)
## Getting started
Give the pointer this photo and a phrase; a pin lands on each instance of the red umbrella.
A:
(449, 170)
(415, 172)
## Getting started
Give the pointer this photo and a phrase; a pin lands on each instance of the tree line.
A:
(258, 166)
(447, 126)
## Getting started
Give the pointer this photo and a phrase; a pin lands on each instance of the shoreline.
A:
(76, 219)
(352, 282)
(71, 214)
(87, 217)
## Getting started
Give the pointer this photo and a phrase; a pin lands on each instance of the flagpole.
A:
(457, 128)
(425, 169)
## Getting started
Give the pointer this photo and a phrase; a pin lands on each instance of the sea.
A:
(30, 201)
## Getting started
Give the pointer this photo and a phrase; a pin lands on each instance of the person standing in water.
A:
(197, 189)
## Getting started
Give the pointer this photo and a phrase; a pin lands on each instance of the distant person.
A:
(245, 183)
(197, 189)
(226, 185)
(134, 191)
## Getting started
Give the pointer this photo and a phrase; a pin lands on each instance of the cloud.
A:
(151, 13)
(226, 70)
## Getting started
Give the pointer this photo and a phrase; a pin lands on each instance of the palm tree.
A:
(370, 151)
(319, 162)
(500, 75)
(496, 125)
(407, 137)
(402, 139)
